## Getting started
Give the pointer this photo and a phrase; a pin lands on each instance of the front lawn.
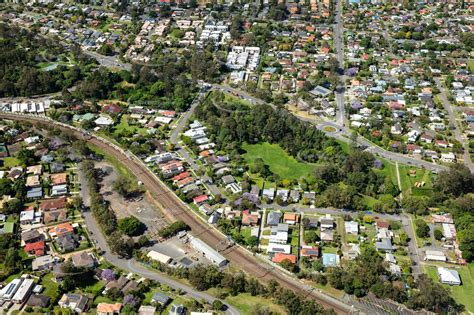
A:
(277, 159)
(10, 162)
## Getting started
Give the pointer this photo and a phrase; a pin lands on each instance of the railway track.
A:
(179, 210)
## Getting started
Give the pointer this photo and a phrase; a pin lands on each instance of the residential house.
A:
(83, 260)
(61, 230)
(352, 227)
(280, 257)
(273, 218)
(279, 234)
(31, 236)
(448, 276)
(290, 218)
(108, 308)
(326, 223)
(160, 298)
(249, 218)
(309, 251)
(330, 260)
(75, 302)
(176, 310)
(43, 263)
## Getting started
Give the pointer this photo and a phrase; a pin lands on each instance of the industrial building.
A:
(208, 252)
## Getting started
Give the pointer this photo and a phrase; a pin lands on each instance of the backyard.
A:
(277, 159)
(462, 293)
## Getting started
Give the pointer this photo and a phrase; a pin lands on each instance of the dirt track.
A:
(172, 204)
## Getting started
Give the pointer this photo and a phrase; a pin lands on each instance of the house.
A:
(176, 310)
(273, 218)
(43, 263)
(290, 218)
(61, 230)
(9, 290)
(278, 248)
(320, 91)
(66, 242)
(353, 251)
(384, 244)
(33, 181)
(268, 193)
(309, 251)
(38, 300)
(326, 222)
(34, 193)
(250, 218)
(109, 308)
(146, 310)
(330, 260)
(37, 248)
(58, 179)
(327, 235)
(279, 234)
(200, 199)
(31, 236)
(83, 260)
(351, 227)
(75, 302)
(283, 194)
(160, 298)
(58, 190)
(280, 257)
(228, 179)
(448, 157)
(448, 276)
(294, 196)
(380, 224)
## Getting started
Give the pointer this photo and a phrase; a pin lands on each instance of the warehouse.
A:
(208, 252)
(10, 289)
(162, 258)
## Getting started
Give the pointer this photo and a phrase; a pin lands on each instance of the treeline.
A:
(105, 216)
(205, 277)
(21, 52)
(167, 82)
(454, 189)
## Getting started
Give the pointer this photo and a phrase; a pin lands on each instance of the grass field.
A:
(463, 293)
(408, 181)
(247, 304)
(10, 162)
(389, 170)
(277, 159)
(123, 126)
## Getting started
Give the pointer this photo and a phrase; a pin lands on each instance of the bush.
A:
(173, 229)
(131, 226)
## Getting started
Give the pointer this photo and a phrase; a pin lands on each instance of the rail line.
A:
(170, 202)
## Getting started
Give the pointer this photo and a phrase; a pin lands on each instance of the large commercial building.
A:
(208, 252)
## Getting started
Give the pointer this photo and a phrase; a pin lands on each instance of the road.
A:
(339, 47)
(199, 227)
(131, 265)
(108, 61)
(452, 122)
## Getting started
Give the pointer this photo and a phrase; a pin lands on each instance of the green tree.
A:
(131, 226)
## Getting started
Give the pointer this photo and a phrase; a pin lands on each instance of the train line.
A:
(180, 211)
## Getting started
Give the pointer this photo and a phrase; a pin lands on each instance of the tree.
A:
(131, 226)
(217, 305)
(432, 296)
(422, 229)
(456, 181)
(107, 274)
(126, 187)
(438, 234)
(311, 237)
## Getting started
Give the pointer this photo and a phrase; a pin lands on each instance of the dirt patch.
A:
(143, 208)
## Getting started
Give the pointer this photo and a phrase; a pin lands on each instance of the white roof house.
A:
(103, 121)
(278, 248)
(448, 276)
(351, 227)
(23, 291)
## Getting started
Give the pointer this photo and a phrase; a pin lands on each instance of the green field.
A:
(124, 126)
(408, 181)
(463, 293)
(277, 159)
(10, 162)
(247, 304)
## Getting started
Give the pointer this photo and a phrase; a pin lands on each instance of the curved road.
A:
(176, 207)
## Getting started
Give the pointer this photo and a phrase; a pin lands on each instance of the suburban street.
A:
(454, 124)
(339, 47)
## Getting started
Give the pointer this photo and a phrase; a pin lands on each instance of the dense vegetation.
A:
(21, 53)
(340, 178)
